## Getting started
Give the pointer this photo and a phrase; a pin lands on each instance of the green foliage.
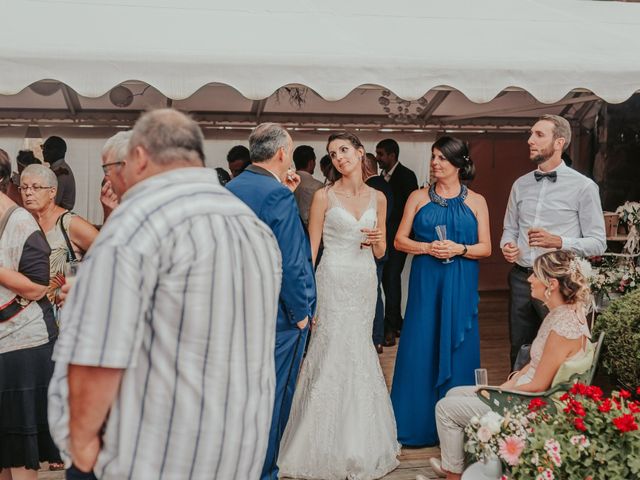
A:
(621, 352)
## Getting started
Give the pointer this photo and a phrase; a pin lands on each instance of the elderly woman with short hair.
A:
(68, 234)
(27, 335)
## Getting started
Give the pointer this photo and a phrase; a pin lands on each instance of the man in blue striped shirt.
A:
(164, 365)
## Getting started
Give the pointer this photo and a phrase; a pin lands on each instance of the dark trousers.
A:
(74, 474)
(378, 320)
(288, 353)
(391, 278)
(525, 313)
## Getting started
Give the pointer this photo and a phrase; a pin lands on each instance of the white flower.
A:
(535, 459)
(581, 441)
(584, 267)
(484, 434)
(493, 421)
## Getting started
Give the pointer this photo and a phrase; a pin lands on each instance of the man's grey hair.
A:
(43, 172)
(168, 136)
(265, 140)
(118, 146)
(561, 128)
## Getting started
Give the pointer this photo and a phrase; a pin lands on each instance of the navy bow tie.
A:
(553, 176)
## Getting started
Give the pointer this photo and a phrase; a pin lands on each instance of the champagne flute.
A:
(441, 232)
(365, 243)
(482, 379)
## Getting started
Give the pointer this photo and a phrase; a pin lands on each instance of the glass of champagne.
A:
(365, 243)
(482, 379)
(441, 232)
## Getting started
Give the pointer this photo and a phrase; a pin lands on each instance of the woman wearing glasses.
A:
(68, 234)
(27, 336)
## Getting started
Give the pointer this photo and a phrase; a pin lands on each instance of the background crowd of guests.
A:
(164, 366)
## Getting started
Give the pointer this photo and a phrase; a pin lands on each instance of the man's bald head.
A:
(169, 137)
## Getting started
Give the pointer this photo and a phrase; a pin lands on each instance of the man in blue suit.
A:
(266, 186)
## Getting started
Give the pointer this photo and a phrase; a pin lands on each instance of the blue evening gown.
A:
(440, 346)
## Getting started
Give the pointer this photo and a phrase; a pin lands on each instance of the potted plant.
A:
(591, 437)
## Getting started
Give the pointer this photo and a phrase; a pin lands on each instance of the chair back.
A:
(596, 358)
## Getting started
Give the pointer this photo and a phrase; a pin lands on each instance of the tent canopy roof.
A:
(546, 47)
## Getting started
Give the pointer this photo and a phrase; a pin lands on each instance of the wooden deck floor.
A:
(494, 350)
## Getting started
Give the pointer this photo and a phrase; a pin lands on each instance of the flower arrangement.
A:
(629, 213)
(591, 437)
(608, 275)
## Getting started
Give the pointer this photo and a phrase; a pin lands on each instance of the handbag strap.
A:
(15, 305)
(5, 218)
(71, 255)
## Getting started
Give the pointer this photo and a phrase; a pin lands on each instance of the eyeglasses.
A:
(33, 188)
(105, 166)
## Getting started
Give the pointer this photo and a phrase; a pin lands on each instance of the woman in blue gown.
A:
(440, 346)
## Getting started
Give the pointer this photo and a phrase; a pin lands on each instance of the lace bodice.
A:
(567, 322)
(341, 233)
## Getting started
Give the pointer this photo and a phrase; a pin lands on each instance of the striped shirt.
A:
(180, 290)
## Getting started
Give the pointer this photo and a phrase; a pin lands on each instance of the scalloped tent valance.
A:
(547, 47)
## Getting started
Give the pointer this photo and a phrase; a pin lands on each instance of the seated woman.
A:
(558, 282)
(68, 234)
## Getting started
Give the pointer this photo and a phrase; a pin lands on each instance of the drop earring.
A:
(547, 293)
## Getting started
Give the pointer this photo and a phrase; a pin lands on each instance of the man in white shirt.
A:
(553, 207)
(305, 160)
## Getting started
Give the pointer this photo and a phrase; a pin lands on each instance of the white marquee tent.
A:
(472, 64)
(546, 47)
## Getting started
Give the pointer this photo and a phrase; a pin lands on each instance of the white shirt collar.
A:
(393, 169)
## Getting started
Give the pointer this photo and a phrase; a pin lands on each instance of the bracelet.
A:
(464, 252)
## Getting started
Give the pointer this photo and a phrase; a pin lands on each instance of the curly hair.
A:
(563, 266)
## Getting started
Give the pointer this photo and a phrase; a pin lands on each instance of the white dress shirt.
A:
(388, 174)
(569, 208)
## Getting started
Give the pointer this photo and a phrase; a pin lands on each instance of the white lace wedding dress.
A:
(342, 424)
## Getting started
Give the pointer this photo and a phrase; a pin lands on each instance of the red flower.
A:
(579, 424)
(625, 423)
(594, 392)
(605, 406)
(566, 396)
(638, 391)
(578, 388)
(536, 404)
(634, 407)
(624, 394)
(575, 407)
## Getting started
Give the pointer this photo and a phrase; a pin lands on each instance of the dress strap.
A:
(332, 198)
(373, 204)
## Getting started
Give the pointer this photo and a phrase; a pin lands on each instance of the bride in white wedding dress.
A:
(342, 424)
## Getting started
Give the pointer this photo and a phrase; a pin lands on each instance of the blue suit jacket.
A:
(275, 205)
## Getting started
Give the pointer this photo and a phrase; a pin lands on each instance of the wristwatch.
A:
(464, 252)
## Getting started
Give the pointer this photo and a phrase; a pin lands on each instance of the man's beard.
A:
(543, 155)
